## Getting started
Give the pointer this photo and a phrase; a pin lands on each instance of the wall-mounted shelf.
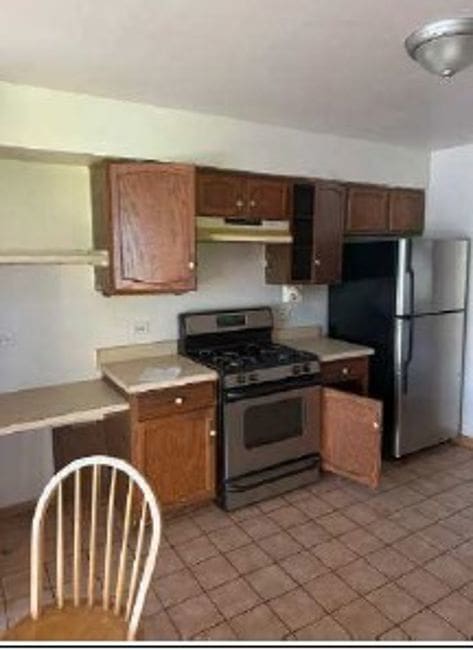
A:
(71, 257)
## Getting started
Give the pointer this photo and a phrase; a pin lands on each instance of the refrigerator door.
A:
(428, 380)
(432, 275)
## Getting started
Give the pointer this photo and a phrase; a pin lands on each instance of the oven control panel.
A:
(278, 373)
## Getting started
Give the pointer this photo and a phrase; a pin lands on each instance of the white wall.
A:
(450, 212)
(56, 318)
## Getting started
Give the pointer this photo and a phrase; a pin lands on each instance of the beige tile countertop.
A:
(325, 348)
(151, 373)
(54, 406)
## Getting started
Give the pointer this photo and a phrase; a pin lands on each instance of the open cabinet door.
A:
(351, 436)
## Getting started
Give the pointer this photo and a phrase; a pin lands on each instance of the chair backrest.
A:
(125, 589)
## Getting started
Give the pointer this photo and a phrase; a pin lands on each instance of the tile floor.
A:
(334, 561)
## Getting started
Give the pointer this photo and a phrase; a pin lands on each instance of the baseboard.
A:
(463, 441)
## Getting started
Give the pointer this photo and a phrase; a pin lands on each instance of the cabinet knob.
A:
(239, 203)
(212, 433)
(345, 371)
(252, 203)
(375, 425)
(317, 261)
(178, 401)
(191, 265)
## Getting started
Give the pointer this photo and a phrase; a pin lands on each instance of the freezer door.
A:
(432, 275)
(428, 380)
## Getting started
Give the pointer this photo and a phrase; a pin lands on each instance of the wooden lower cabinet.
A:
(179, 456)
(351, 436)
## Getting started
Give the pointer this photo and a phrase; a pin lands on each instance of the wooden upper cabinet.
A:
(236, 194)
(329, 214)
(367, 209)
(406, 210)
(144, 214)
(351, 436)
(267, 198)
(220, 194)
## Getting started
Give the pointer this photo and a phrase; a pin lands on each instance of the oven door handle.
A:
(270, 388)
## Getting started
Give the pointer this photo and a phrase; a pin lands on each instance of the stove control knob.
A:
(240, 378)
(296, 370)
(306, 367)
(253, 376)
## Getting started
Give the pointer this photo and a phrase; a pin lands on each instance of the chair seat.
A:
(71, 623)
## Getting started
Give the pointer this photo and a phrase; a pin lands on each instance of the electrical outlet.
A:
(7, 340)
(141, 328)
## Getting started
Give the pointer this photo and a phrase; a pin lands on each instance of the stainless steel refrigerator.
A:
(406, 298)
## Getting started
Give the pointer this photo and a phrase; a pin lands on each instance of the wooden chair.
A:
(117, 614)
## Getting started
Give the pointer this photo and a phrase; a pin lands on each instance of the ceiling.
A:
(332, 66)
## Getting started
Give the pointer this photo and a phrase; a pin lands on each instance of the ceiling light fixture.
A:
(444, 47)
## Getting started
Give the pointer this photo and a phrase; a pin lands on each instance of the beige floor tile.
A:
(234, 597)
(327, 629)
(427, 626)
(330, 591)
(196, 550)
(272, 504)
(259, 527)
(180, 531)
(467, 591)
(464, 553)
(461, 525)
(361, 576)
(230, 537)
(457, 610)
(248, 512)
(212, 518)
(333, 554)
(395, 603)
(360, 513)
(158, 627)
(387, 531)
(424, 586)
(339, 498)
(287, 516)
(309, 534)
(336, 524)
(417, 549)
(279, 546)
(362, 620)
(361, 541)
(391, 563)
(411, 519)
(194, 615)
(214, 572)
(168, 562)
(394, 634)
(449, 570)
(298, 496)
(258, 624)
(441, 537)
(315, 507)
(248, 558)
(221, 632)
(303, 567)
(296, 608)
(270, 581)
(176, 587)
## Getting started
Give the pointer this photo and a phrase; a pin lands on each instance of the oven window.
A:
(273, 422)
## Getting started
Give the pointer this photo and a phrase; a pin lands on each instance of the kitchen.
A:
(57, 321)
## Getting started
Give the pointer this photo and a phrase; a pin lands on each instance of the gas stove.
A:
(268, 406)
(255, 363)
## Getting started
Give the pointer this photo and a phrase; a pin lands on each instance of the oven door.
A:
(266, 430)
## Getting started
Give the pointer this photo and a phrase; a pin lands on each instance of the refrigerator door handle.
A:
(410, 352)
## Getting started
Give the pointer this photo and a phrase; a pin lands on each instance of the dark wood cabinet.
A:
(406, 211)
(220, 194)
(315, 256)
(347, 374)
(144, 215)
(367, 210)
(173, 442)
(351, 436)
(237, 194)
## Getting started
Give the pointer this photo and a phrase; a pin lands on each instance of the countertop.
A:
(54, 406)
(152, 373)
(328, 349)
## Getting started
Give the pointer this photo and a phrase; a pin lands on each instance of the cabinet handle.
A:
(179, 401)
(317, 261)
(239, 203)
(191, 265)
(345, 371)
(212, 433)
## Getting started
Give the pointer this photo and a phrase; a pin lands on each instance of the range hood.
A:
(216, 229)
